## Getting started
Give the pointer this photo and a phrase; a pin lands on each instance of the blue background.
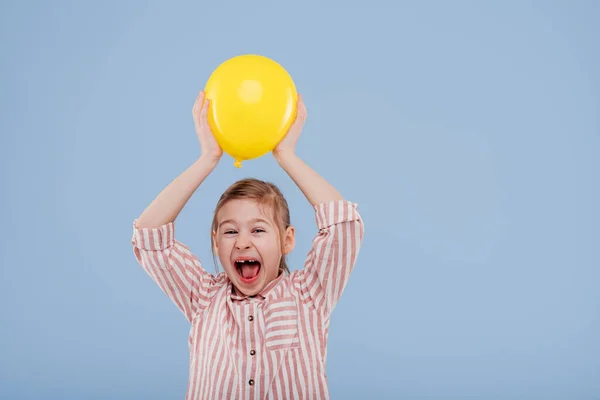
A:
(467, 131)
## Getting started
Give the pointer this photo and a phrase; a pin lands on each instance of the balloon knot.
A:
(238, 164)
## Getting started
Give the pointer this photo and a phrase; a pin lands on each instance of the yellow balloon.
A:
(253, 102)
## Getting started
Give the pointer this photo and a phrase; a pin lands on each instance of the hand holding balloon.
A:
(288, 143)
(208, 144)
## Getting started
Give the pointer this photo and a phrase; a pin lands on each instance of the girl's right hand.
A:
(208, 144)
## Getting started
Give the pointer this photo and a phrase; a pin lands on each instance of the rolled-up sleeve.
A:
(174, 268)
(333, 254)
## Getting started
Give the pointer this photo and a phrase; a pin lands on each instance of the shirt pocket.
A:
(281, 324)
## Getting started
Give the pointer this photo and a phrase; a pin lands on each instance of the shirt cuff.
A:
(159, 238)
(335, 212)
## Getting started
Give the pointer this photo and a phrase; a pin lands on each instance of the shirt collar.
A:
(236, 295)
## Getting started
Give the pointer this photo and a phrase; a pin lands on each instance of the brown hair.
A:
(264, 193)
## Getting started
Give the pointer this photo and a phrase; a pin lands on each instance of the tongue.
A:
(249, 270)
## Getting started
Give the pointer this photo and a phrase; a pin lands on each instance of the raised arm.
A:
(315, 188)
(340, 228)
(169, 203)
(168, 262)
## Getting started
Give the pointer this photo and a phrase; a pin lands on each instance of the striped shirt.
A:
(269, 346)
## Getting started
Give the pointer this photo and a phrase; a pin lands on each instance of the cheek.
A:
(273, 248)
(224, 249)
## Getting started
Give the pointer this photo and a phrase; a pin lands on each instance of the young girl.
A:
(257, 330)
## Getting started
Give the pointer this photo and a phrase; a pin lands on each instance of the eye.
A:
(259, 230)
(230, 232)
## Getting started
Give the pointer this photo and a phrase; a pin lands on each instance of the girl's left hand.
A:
(288, 143)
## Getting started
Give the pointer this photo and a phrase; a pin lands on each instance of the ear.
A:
(289, 240)
(215, 245)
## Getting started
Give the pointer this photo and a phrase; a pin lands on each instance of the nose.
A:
(242, 243)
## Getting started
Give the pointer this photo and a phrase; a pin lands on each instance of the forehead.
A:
(241, 210)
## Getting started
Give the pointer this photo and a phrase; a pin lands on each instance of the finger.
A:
(199, 101)
(301, 107)
(200, 97)
(300, 101)
(204, 111)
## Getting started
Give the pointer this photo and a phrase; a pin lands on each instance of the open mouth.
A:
(247, 269)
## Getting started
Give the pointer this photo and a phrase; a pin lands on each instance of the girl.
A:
(257, 330)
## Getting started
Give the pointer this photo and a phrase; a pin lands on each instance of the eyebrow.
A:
(227, 221)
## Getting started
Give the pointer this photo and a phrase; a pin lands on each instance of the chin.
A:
(249, 292)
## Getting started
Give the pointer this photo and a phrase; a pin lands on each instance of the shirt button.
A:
(251, 382)
(250, 318)
(252, 352)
